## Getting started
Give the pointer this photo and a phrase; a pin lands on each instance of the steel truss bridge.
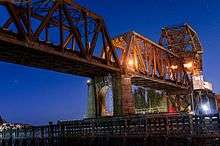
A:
(62, 36)
(65, 37)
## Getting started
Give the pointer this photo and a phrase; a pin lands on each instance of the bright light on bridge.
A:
(88, 81)
(205, 108)
(173, 67)
(131, 62)
(188, 65)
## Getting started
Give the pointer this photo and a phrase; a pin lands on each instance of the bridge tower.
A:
(184, 41)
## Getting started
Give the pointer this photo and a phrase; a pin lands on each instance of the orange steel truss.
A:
(149, 63)
(57, 35)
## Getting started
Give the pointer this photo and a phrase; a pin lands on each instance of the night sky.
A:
(37, 96)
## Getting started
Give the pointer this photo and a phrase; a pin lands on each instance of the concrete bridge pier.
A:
(123, 102)
(98, 88)
(92, 103)
(122, 95)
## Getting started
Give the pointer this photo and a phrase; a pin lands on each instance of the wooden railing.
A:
(167, 125)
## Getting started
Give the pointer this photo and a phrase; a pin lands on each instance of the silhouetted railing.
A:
(163, 125)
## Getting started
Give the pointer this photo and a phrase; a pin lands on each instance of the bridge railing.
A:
(206, 124)
(138, 125)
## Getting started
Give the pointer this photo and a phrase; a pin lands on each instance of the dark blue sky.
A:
(37, 96)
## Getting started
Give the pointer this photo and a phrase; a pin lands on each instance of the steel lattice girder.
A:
(184, 41)
(79, 35)
(152, 64)
(56, 31)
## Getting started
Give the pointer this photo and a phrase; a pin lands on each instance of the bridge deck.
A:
(43, 55)
(160, 84)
